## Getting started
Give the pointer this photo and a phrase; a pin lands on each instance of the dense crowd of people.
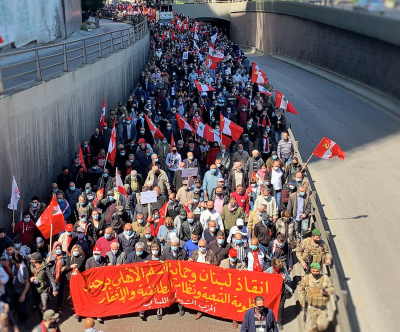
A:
(248, 207)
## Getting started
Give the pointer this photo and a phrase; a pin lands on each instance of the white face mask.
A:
(114, 251)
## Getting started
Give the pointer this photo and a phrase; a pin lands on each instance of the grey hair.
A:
(139, 245)
(174, 240)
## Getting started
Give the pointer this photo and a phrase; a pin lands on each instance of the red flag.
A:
(103, 115)
(282, 102)
(120, 185)
(112, 146)
(226, 141)
(327, 149)
(81, 158)
(230, 128)
(52, 216)
(172, 143)
(154, 130)
(163, 210)
(182, 124)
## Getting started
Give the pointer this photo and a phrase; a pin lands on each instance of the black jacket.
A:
(264, 234)
(132, 258)
(180, 256)
(80, 261)
(185, 233)
(128, 245)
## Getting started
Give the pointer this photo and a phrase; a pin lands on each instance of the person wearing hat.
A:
(287, 189)
(107, 130)
(293, 168)
(97, 260)
(41, 277)
(86, 242)
(66, 237)
(238, 228)
(313, 250)
(49, 322)
(84, 223)
(315, 290)
(25, 228)
(128, 129)
(274, 157)
(40, 247)
(83, 206)
(108, 207)
(56, 261)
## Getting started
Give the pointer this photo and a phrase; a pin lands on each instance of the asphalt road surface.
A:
(359, 194)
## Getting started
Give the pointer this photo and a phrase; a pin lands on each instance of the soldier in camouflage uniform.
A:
(314, 291)
(313, 250)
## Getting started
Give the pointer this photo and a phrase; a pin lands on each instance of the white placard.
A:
(186, 172)
(148, 197)
(166, 15)
(185, 55)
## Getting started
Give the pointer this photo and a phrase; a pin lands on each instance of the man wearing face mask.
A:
(162, 148)
(272, 159)
(224, 157)
(36, 209)
(259, 318)
(269, 203)
(192, 244)
(237, 176)
(85, 242)
(299, 206)
(96, 260)
(173, 162)
(108, 207)
(145, 162)
(253, 164)
(105, 181)
(178, 179)
(210, 180)
(63, 204)
(135, 181)
(279, 122)
(240, 156)
(128, 129)
(285, 148)
(264, 231)
(279, 248)
(189, 226)
(25, 228)
(251, 130)
(315, 290)
(277, 180)
(246, 144)
(185, 193)
(140, 224)
(128, 238)
(105, 241)
(288, 189)
(149, 240)
(64, 179)
(66, 238)
(255, 257)
(115, 256)
(293, 168)
(220, 247)
(313, 250)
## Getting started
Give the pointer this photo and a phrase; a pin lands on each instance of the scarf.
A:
(58, 263)
(261, 173)
(232, 208)
(276, 270)
(45, 330)
(256, 263)
(34, 211)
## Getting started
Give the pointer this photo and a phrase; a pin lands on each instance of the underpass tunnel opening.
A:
(222, 25)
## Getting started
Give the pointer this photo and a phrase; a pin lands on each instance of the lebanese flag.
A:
(81, 158)
(112, 146)
(182, 124)
(202, 87)
(211, 64)
(52, 216)
(103, 115)
(261, 89)
(259, 70)
(154, 130)
(120, 185)
(257, 77)
(205, 131)
(214, 54)
(327, 149)
(282, 102)
(230, 128)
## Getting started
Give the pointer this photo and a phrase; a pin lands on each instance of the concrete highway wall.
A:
(41, 126)
(359, 46)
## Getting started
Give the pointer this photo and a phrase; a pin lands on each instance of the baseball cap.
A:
(80, 230)
(39, 240)
(141, 141)
(185, 182)
(35, 256)
(221, 180)
(232, 252)
(50, 314)
(97, 250)
(239, 222)
(69, 227)
(274, 153)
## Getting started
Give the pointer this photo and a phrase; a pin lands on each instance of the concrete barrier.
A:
(42, 125)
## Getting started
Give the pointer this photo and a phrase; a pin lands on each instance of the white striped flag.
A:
(202, 87)
(327, 149)
(15, 194)
(282, 102)
(261, 89)
(230, 128)
(120, 185)
(103, 115)
(182, 124)
(214, 54)
(112, 146)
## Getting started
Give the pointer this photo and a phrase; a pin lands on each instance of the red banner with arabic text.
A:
(124, 289)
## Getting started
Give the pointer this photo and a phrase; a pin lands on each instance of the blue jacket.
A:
(190, 247)
(67, 211)
(138, 94)
(211, 181)
(248, 324)
(72, 197)
(125, 131)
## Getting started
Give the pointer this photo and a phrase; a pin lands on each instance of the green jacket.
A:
(229, 218)
(42, 277)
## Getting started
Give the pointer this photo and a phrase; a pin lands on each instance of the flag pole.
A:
(181, 133)
(305, 165)
(51, 236)
(13, 219)
(116, 174)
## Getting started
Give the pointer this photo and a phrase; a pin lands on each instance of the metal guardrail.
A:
(36, 63)
(340, 306)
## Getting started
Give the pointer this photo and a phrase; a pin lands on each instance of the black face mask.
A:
(316, 276)
(53, 324)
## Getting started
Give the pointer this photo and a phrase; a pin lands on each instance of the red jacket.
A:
(242, 200)
(26, 231)
(212, 156)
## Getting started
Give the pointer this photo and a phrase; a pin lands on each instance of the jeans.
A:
(171, 176)
(265, 248)
(19, 307)
(304, 226)
(287, 160)
(278, 194)
(278, 136)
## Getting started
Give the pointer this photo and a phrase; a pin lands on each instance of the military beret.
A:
(316, 232)
(315, 266)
